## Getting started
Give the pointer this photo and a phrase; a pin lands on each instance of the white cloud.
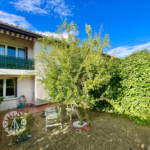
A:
(15, 20)
(43, 6)
(60, 7)
(33, 6)
(47, 33)
(124, 51)
(23, 23)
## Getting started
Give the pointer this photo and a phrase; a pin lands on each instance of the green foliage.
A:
(26, 131)
(69, 71)
(1, 99)
(129, 90)
(29, 118)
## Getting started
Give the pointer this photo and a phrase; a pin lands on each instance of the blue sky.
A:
(126, 21)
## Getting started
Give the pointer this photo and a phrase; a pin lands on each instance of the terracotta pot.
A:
(97, 109)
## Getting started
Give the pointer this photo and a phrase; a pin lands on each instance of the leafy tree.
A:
(129, 93)
(69, 71)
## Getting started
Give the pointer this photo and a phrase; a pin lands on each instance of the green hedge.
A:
(128, 92)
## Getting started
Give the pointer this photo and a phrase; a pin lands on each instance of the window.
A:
(12, 51)
(10, 87)
(1, 87)
(7, 87)
(2, 49)
(21, 52)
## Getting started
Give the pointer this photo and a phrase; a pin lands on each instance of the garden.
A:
(112, 95)
(107, 132)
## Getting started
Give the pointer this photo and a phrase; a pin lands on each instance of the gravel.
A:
(107, 133)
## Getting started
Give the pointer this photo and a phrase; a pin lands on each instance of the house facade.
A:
(17, 54)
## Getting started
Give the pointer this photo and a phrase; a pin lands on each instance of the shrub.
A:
(1, 99)
(129, 89)
(67, 71)
(29, 118)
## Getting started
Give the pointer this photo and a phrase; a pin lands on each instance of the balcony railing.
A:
(7, 62)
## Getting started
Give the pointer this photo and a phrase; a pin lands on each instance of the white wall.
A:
(14, 71)
(37, 47)
(40, 93)
(24, 87)
(5, 105)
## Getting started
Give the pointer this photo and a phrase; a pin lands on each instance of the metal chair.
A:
(51, 114)
(72, 109)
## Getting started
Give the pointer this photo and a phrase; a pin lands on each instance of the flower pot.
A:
(22, 105)
(97, 109)
(74, 125)
(24, 138)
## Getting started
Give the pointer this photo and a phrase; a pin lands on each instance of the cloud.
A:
(15, 20)
(124, 51)
(64, 34)
(43, 6)
(59, 7)
(23, 23)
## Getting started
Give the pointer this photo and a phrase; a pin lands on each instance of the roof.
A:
(16, 29)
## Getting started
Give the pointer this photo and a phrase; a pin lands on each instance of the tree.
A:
(70, 71)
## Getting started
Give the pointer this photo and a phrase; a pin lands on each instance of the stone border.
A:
(77, 128)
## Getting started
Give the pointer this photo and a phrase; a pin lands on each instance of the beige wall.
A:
(37, 47)
(7, 39)
(40, 93)
(24, 87)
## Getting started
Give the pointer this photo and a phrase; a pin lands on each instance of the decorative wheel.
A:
(14, 129)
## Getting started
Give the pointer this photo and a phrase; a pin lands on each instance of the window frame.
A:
(4, 48)
(4, 88)
(6, 45)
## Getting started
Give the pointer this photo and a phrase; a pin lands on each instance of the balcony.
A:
(7, 62)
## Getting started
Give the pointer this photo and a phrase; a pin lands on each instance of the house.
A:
(17, 49)
(17, 54)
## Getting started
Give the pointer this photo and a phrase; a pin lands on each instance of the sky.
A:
(125, 21)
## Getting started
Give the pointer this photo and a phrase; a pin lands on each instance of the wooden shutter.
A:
(26, 53)
(15, 87)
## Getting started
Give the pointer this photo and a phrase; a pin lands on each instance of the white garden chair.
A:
(72, 109)
(52, 115)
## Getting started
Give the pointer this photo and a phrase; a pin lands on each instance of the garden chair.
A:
(72, 109)
(50, 115)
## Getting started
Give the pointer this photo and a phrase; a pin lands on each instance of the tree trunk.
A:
(81, 116)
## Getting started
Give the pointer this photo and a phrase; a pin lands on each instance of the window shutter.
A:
(26, 51)
(15, 87)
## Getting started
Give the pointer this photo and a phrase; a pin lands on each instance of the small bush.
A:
(29, 118)
(1, 99)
